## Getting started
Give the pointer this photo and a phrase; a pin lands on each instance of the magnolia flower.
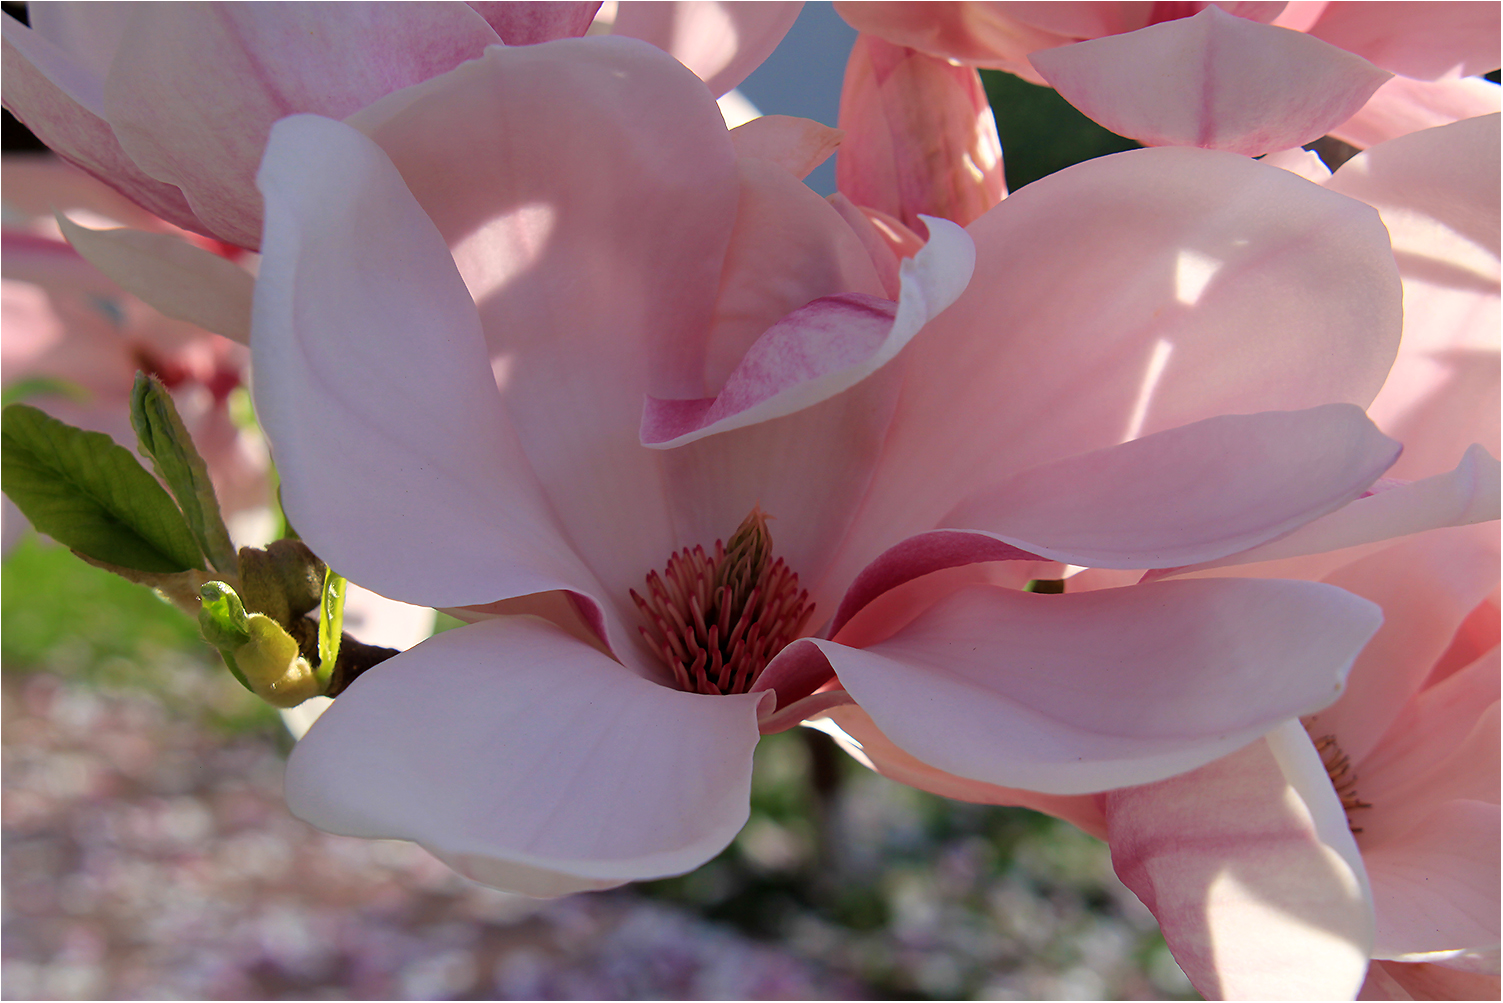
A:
(73, 340)
(533, 343)
(170, 104)
(1248, 862)
(1248, 77)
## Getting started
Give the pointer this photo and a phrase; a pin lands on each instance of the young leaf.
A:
(330, 625)
(91, 495)
(165, 439)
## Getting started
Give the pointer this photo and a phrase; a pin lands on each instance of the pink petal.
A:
(1416, 39)
(583, 776)
(824, 348)
(1112, 274)
(1464, 496)
(1427, 586)
(920, 136)
(355, 407)
(1436, 887)
(858, 735)
(1069, 694)
(47, 91)
(797, 144)
(1437, 192)
(589, 218)
(1216, 487)
(90, 35)
(1391, 980)
(1236, 863)
(1443, 748)
(194, 89)
(919, 555)
(976, 34)
(1213, 80)
(171, 275)
(788, 248)
(1092, 20)
(721, 42)
(1402, 106)
(531, 23)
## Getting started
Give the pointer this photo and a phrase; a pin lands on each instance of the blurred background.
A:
(148, 853)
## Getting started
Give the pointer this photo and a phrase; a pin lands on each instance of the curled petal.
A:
(529, 761)
(826, 347)
(1069, 694)
(1216, 487)
(1213, 80)
(1236, 861)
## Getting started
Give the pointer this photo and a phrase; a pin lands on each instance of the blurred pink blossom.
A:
(66, 322)
(1248, 77)
(548, 358)
(171, 104)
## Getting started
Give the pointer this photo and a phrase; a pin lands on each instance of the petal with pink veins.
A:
(822, 349)
(48, 92)
(530, 761)
(1069, 694)
(721, 42)
(1436, 886)
(370, 392)
(331, 60)
(1214, 81)
(1393, 980)
(531, 23)
(1248, 866)
(1209, 489)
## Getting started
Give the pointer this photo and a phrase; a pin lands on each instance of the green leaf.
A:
(165, 439)
(42, 386)
(91, 495)
(223, 623)
(330, 625)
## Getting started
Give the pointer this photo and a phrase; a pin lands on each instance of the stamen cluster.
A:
(1339, 768)
(716, 619)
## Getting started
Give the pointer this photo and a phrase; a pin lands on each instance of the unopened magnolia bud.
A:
(272, 665)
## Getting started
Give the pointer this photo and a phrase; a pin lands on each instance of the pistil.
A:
(716, 618)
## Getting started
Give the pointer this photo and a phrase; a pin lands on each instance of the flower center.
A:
(716, 620)
(1339, 768)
